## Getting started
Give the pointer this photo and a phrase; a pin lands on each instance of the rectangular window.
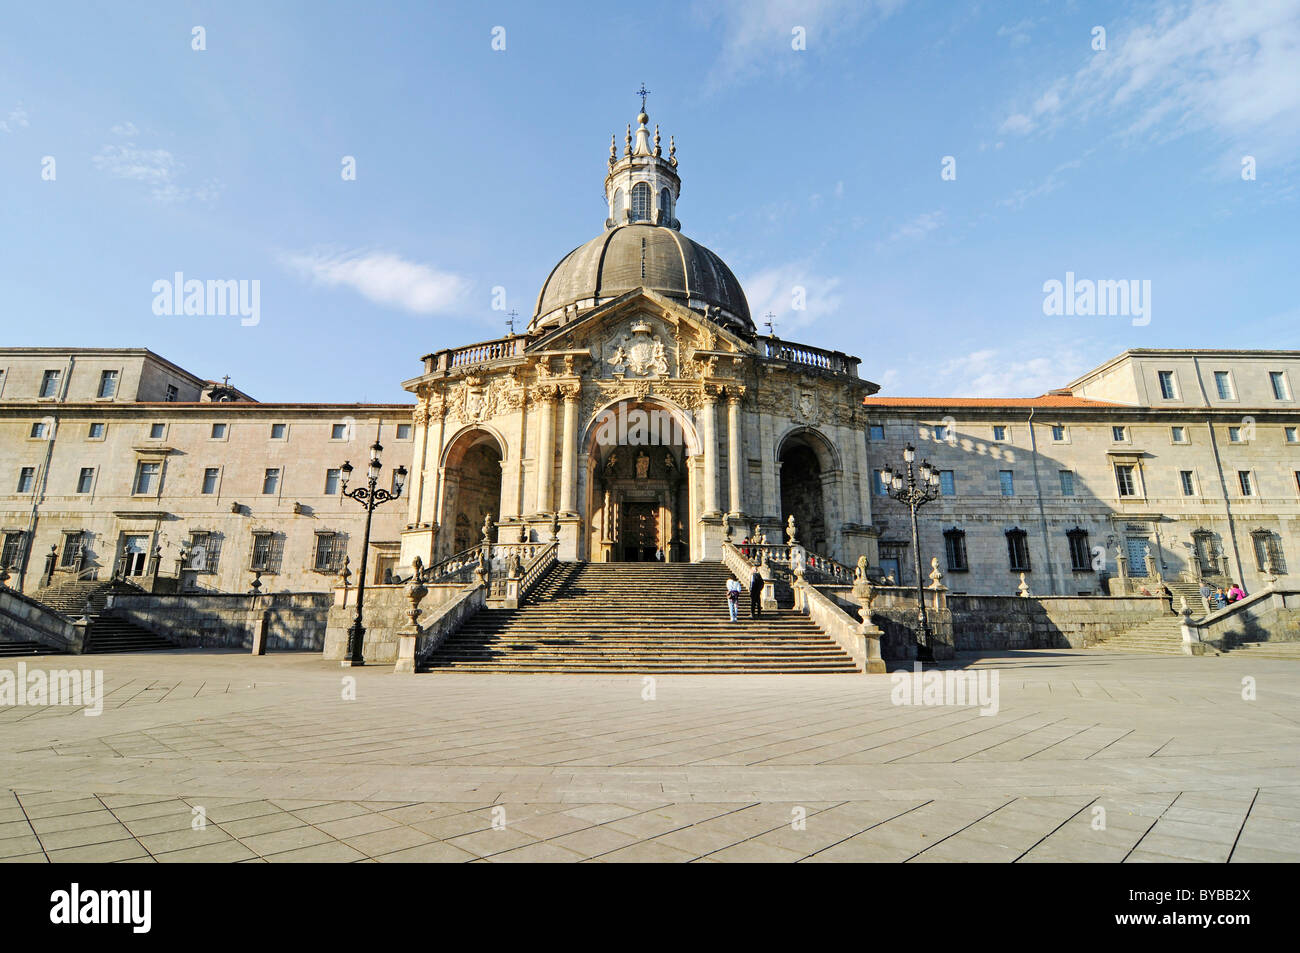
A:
(1007, 482)
(1281, 389)
(205, 551)
(1058, 432)
(86, 480)
(26, 479)
(271, 481)
(156, 431)
(947, 483)
(218, 431)
(1292, 434)
(999, 433)
(1067, 482)
(1223, 385)
(278, 431)
(1018, 550)
(1118, 434)
(1178, 434)
(403, 431)
(172, 393)
(96, 432)
(146, 477)
(73, 546)
(1126, 479)
(339, 432)
(332, 482)
(954, 544)
(877, 432)
(211, 475)
(1246, 482)
(1080, 552)
(50, 384)
(107, 384)
(1234, 435)
(329, 552)
(1188, 481)
(38, 430)
(1167, 390)
(266, 553)
(11, 554)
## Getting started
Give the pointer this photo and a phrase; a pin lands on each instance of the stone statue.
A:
(789, 530)
(487, 527)
(670, 464)
(860, 571)
(936, 577)
(619, 360)
(417, 570)
(642, 465)
(658, 359)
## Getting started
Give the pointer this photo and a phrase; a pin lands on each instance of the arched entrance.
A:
(639, 501)
(807, 462)
(471, 488)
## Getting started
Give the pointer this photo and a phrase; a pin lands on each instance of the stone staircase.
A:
(1162, 636)
(70, 598)
(637, 618)
(106, 633)
(17, 649)
(109, 635)
(1290, 651)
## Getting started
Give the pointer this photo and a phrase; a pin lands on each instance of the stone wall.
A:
(26, 620)
(983, 623)
(1268, 616)
(386, 613)
(295, 620)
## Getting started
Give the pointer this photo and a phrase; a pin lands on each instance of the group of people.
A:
(1220, 597)
(734, 589)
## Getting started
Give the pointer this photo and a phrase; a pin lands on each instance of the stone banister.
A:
(837, 362)
(485, 352)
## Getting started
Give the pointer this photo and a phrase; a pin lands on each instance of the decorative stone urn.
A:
(408, 640)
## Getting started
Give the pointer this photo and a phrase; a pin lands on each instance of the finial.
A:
(672, 151)
(627, 142)
(613, 150)
(658, 150)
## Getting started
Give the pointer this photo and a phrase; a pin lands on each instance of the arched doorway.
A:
(806, 464)
(639, 500)
(471, 488)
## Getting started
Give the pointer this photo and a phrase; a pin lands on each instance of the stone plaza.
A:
(227, 757)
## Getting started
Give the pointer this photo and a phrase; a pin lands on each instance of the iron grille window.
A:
(1018, 550)
(11, 554)
(330, 548)
(1080, 551)
(954, 544)
(267, 548)
(74, 544)
(1268, 551)
(205, 551)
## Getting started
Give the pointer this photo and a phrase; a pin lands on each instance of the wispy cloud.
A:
(1045, 186)
(917, 228)
(794, 293)
(384, 278)
(157, 169)
(1227, 67)
(995, 372)
(17, 119)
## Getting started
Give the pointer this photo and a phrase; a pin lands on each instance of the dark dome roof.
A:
(612, 264)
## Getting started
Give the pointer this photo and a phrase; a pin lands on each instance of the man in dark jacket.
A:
(755, 595)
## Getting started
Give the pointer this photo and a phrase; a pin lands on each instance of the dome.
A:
(633, 256)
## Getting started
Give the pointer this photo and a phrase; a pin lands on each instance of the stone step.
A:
(107, 634)
(20, 648)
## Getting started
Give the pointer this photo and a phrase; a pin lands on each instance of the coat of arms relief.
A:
(640, 353)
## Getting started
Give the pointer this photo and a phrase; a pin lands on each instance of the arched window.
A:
(618, 206)
(641, 202)
(665, 205)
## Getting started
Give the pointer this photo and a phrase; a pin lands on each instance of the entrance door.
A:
(133, 559)
(640, 535)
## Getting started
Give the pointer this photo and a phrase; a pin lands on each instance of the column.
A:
(546, 453)
(733, 452)
(568, 454)
(709, 426)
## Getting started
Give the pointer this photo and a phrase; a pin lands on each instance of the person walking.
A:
(756, 582)
(733, 596)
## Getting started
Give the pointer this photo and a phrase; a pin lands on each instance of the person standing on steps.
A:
(733, 596)
(756, 595)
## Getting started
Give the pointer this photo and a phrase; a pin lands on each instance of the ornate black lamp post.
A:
(369, 497)
(915, 493)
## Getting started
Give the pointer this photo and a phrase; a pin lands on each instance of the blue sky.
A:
(816, 168)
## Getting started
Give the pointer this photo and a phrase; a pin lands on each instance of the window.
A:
(1126, 479)
(329, 552)
(1223, 385)
(1246, 483)
(339, 432)
(38, 430)
(1080, 551)
(878, 483)
(107, 384)
(86, 480)
(641, 202)
(1018, 550)
(403, 431)
(74, 544)
(1058, 432)
(665, 204)
(332, 481)
(156, 431)
(26, 479)
(999, 433)
(1268, 552)
(1281, 388)
(205, 551)
(1178, 434)
(1067, 482)
(877, 432)
(279, 431)
(146, 478)
(211, 477)
(1188, 481)
(947, 483)
(96, 432)
(1167, 390)
(218, 431)
(271, 481)
(266, 552)
(940, 434)
(1234, 435)
(618, 205)
(50, 384)
(1292, 434)
(1007, 481)
(1119, 434)
(954, 545)
(11, 553)
(172, 393)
